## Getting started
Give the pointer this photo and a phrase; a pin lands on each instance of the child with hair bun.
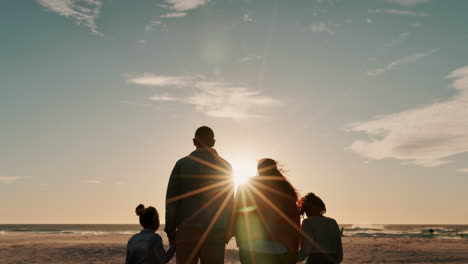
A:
(321, 240)
(146, 247)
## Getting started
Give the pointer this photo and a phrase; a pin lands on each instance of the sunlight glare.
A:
(243, 170)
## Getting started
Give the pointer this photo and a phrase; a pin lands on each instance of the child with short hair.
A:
(321, 241)
(146, 247)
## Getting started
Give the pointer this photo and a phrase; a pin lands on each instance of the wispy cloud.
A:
(92, 181)
(184, 5)
(179, 8)
(215, 98)
(321, 27)
(399, 12)
(220, 99)
(8, 179)
(248, 17)
(174, 14)
(399, 39)
(163, 97)
(82, 12)
(424, 136)
(405, 60)
(408, 2)
(249, 58)
(153, 23)
(464, 170)
(149, 79)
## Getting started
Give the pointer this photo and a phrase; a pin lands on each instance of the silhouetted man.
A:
(199, 203)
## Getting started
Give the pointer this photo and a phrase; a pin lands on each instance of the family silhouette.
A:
(204, 212)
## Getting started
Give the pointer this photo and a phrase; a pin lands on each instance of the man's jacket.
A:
(200, 192)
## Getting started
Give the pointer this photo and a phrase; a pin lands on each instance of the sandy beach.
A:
(73, 248)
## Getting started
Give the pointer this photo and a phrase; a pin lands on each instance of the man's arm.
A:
(171, 205)
(230, 208)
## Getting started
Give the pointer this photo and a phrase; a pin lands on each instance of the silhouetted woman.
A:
(267, 217)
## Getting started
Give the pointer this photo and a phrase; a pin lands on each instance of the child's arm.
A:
(306, 245)
(129, 253)
(170, 253)
(159, 252)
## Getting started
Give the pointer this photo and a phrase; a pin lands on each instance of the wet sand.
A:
(73, 248)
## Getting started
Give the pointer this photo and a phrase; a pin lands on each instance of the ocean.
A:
(411, 231)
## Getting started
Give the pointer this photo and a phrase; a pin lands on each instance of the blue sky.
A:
(364, 102)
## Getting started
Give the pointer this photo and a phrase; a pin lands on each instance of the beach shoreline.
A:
(111, 248)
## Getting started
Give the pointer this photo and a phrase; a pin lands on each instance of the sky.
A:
(363, 102)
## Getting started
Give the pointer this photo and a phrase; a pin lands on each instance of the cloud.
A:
(153, 23)
(180, 7)
(464, 170)
(93, 181)
(248, 17)
(408, 2)
(183, 5)
(211, 97)
(82, 12)
(425, 136)
(405, 60)
(220, 99)
(369, 21)
(149, 79)
(321, 27)
(399, 39)
(250, 57)
(163, 97)
(174, 14)
(8, 179)
(399, 12)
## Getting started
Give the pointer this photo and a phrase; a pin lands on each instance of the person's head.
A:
(149, 217)
(312, 205)
(268, 167)
(204, 137)
(273, 177)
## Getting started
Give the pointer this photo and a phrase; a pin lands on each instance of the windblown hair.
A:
(148, 216)
(312, 200)
(274, 177)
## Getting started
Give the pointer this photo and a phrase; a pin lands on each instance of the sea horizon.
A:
(429, 231)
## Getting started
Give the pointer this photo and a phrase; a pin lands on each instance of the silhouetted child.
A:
(321, 243)
(146, 247)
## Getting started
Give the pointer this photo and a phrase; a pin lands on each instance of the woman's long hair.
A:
(273, 177)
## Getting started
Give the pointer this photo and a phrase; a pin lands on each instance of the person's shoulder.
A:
(156, 236)
(135, 236)
(307, 221)
(156, 239)
(225, 163)
(183, 160)
(330, 219)
(220, 160)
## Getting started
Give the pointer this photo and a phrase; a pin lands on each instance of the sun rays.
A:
(225, 188)
(243, 169)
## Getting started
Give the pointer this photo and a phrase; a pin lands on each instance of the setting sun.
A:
(242, 170)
